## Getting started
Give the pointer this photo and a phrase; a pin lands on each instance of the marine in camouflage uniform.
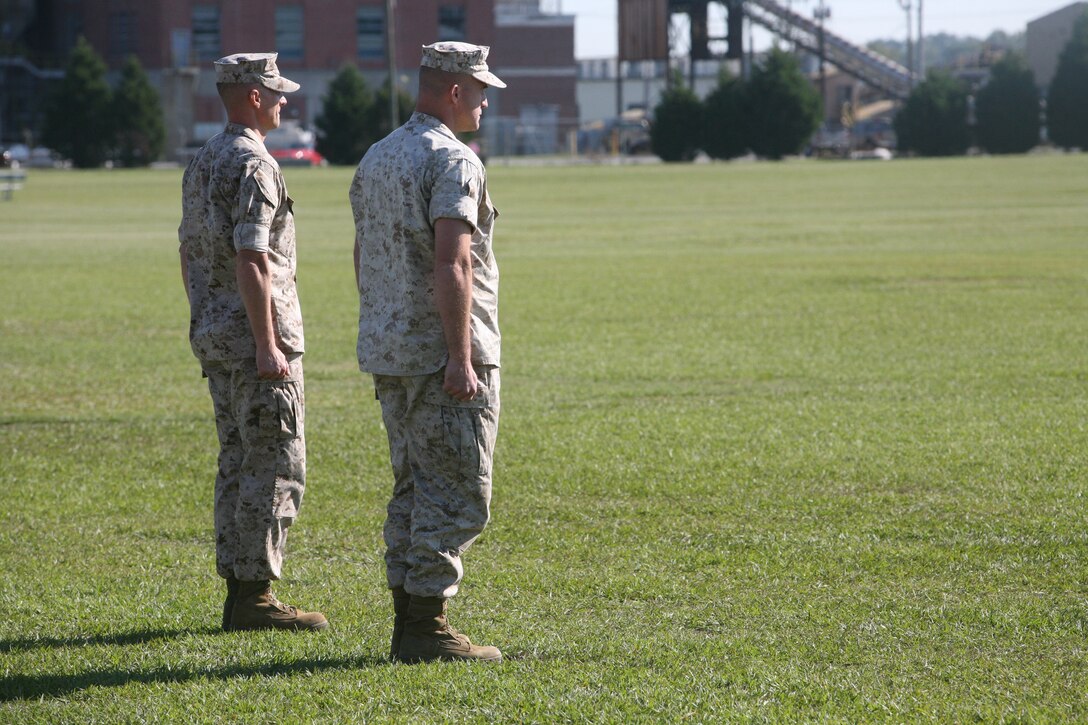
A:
(236, 221)
(441, 433)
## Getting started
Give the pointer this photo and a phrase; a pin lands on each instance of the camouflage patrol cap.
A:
(465, 58)
(253, 68)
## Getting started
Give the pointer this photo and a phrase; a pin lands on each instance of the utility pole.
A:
(822, 13)
(921, 44)
(391, 62)
(906, 6)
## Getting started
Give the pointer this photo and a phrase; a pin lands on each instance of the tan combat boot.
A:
(256, 607)
(428, 637)
(400, 613)
(228, 604)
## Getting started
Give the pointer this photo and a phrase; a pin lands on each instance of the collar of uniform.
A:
(429, 121)
(238, 129)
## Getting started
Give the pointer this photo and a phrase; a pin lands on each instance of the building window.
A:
(370, 32)
(451, 22)
(289, 33)
(122, 34)
(206, 32)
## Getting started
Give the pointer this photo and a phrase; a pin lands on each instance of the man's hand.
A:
(461, 381)
(272, 364)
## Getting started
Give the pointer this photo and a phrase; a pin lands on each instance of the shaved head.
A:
(258, 110)
(233, 93)
(435, 82)
(456, 99)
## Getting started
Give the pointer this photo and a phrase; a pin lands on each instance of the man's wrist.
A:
(460, 361)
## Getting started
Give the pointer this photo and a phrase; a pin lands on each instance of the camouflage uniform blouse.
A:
(406, 182)
(234, 198)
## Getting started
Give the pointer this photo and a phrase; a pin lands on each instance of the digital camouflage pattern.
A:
(253, 68)
(441, 449)
(463, 58)
(234, 198)
(262, 465)
(403, 185)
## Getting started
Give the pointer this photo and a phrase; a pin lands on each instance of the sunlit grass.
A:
(794, 441)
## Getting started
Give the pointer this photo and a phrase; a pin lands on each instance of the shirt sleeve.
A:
(257, 203)
(456, 193)
(357, 197)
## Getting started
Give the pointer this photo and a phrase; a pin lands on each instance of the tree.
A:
(724, 110)
(784, 108)
(1007, 108)
(1067, 101)
(345, 126)
(137, 117)
(379, 117)
(946, 51)
(677, 130)
(77, 122)
(933, 121)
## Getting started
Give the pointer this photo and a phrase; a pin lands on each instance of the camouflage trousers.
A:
(441, 449)
(262, 465)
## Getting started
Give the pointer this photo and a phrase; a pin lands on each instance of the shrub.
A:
(676, 133)
(933, 122)
(1007, 108)
(1067, 101)
(784, 109)
(138, 126)
(379, 126)
(724, 108)
(77, 116)
(345, 126)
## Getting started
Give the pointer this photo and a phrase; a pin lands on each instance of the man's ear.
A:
(254, 97)
(455, 93)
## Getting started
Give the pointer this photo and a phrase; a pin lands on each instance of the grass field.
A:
(800, 441)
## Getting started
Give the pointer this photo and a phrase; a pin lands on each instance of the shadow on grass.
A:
(139, 637)
(28, 687)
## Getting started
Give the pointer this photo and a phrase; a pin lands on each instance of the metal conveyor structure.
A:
(871, 68)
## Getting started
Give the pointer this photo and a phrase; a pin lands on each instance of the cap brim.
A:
(486, 76)
(281, 84)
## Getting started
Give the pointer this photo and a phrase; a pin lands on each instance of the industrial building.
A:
(1046, 36)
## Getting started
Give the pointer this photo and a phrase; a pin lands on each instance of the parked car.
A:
(293, 145)
(38, 157)
(298, 157)
(627, 134)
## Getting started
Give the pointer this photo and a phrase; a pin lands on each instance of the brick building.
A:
(177, 40)
(534, 53)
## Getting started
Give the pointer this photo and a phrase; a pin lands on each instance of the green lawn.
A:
(799, 441)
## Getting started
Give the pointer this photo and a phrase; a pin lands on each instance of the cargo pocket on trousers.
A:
(282, 426)
(463, 426)
(279, 416)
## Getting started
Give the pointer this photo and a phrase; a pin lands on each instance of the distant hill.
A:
(950, 51)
